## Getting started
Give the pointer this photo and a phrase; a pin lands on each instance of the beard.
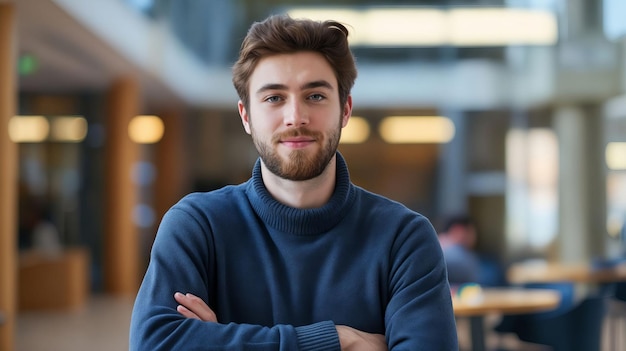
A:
(300, 164)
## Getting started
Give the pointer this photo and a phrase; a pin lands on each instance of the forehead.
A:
(292, 70)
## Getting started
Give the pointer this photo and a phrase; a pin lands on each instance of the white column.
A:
(582, 207)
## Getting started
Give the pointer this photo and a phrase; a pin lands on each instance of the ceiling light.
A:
(28, 129)
(146, 129)
(416, 129)
(393, 27)
(68, 129)
(504, 26)
(397, 27)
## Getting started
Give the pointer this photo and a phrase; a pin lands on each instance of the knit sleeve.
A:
(318, 336)
(180, 261)
(419, 313)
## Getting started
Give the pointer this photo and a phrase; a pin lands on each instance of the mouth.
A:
(297, 142)
(296, 139)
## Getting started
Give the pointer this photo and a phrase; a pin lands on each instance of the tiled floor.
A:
(101, 326)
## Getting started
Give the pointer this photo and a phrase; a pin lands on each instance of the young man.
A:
(297, 257)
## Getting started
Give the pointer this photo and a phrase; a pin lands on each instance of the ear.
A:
(347, 111)
(245, 118)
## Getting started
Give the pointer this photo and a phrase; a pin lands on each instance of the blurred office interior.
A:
(111, 110)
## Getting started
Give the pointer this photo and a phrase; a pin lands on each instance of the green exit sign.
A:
(27, 64)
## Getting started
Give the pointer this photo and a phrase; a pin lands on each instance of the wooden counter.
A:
(53, 281)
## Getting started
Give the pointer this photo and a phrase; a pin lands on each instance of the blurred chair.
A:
(514, 323)
(491, 272)
(616, 304)
(620, 291)
(573, 326)
(616, 316)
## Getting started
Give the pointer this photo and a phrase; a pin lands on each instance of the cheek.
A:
(261, 128)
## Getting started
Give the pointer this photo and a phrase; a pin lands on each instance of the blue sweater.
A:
(281, 278)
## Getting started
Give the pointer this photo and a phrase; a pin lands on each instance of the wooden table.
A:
(583, 274)
(501, 301)
(548, 272)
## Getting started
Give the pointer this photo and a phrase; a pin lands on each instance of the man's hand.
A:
(353, 339)
(192, 306)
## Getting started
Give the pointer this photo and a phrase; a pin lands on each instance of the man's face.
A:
(294, 116)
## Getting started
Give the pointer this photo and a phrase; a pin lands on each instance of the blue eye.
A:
(317, 97)
(273, 98)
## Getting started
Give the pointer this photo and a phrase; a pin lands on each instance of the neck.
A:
(312, 193)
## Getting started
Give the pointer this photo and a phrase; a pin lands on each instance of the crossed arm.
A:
(191, 306)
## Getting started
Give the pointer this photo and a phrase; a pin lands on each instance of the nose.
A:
(296, 114)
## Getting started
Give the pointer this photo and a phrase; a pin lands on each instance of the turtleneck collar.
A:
(302, 221)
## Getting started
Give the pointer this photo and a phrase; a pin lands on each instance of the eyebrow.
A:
(310, 85)
(317, 84)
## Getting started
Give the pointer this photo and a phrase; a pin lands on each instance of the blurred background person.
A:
(458, 240)
(464, 263)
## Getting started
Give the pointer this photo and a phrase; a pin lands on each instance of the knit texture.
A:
(281, 278)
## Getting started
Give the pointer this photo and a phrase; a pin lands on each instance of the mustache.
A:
(299, 132)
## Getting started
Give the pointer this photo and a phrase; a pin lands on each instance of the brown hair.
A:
(280, 34)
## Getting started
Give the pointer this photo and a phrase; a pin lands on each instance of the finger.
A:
(185, 305)
(199, 307)
(196, 305)
(180, 298)
(190, 301)
(186, 312)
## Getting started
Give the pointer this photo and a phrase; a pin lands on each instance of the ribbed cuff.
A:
(318, 336)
